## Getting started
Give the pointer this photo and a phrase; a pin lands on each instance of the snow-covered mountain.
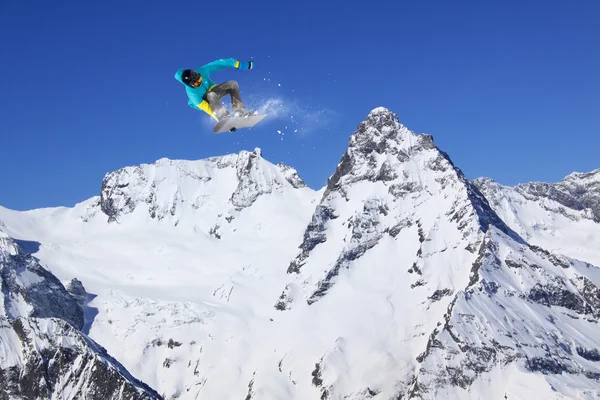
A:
(229, 278)
(399, 224)
(43, 354)
(181, 259)
(173, 187)
(563, 217)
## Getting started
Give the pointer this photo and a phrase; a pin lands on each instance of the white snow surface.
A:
(546, 222)
(229, 278)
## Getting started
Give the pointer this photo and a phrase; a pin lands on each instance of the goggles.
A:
(192, 78)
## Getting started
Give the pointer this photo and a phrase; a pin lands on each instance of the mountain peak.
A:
(584, 177)
(383, 120)
(376, 150)
(577, 191)
(257, 151)
(380, 111)
(166, 186)
(389, 180)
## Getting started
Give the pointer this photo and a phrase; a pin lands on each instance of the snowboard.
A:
(234, 123)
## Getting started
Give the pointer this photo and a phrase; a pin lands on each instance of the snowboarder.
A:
(204, 94)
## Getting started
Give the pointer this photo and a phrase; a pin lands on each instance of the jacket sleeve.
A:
(223, 63)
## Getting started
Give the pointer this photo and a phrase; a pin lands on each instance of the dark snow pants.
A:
(216, 94)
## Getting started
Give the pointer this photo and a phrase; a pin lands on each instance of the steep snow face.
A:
(393, 182)
(29, 290)
(387, 249)
(563, 217)
(524, 308)
(42, 353)
(169, 187)
(49, 359)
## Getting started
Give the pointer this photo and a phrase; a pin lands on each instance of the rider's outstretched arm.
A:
(223, 63)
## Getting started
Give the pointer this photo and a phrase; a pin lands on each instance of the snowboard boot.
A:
(223, 114)
(243, 113)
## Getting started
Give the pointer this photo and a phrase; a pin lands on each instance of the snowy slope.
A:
(563, 217)
(43, 355)
(524, 311)
(389, 248)
(180, 257)
(393, 182)
(229, 278)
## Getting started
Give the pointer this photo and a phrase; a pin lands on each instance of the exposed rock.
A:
(366, 233)
(57, 361)
(29, 290)
(76, 289)
(438, 294)
(315, 233)
(577, 191)
(163, 188)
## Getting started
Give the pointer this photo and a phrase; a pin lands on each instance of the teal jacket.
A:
(196, 95)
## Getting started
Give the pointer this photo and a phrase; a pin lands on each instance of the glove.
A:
(246, 65)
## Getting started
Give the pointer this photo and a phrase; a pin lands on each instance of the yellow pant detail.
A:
(204, 106)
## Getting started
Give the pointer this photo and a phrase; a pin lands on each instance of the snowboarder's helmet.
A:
(191, 78)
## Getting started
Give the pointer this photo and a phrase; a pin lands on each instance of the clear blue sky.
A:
(511, 89)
